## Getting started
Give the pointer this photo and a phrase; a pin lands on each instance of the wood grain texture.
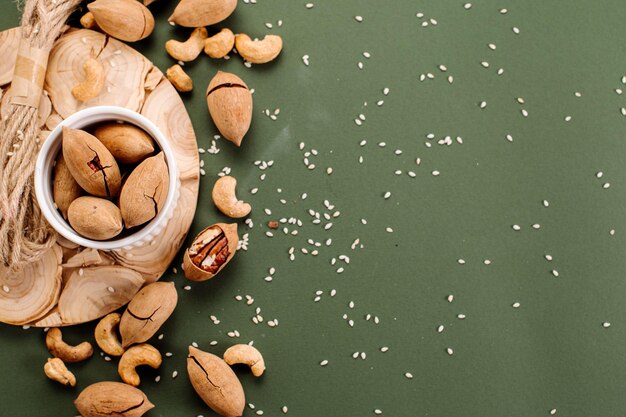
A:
(88, 284)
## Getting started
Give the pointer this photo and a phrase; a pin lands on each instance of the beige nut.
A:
(95, 218)
(179, 78)
(88, 21)
(230, 105)
(216, 383)
(147, 312)
(143, 354)
(126, 20)
(112, 399)
(93, 83)
(225, 198)
(258, 51)
(190, 49)
(210, 251)
(220, 44)
(145, 191)
(106, 337)
(198, 13)
(128, 143)
(247, 355)
(90, 162)
(56, 370)
(67, 353)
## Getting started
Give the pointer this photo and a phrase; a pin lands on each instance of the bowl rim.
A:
(45, 164)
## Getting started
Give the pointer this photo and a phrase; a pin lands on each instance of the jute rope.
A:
(24, 232)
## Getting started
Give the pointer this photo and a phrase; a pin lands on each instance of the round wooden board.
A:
(76, 284)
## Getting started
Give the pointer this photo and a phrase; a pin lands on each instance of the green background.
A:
(550, 353)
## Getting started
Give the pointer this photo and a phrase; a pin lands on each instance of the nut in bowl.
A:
(110, 157)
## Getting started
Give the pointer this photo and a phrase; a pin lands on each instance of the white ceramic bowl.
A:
(45, 165)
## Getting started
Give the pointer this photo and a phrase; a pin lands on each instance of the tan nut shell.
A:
(215, 383)
(230, 105)
(106, 337)
(192, 272)
(56, 370)
(79, 148)
(147, 312)
(126, 20)
(65, 188)
(95, 218)
(226, 200)
(145, 191)
(247, 355)
(179, 78)
(190, 49)
(142, 354)
(127, 143)
(197, 13)
(220, 44)
(107, 399)
(258, 51)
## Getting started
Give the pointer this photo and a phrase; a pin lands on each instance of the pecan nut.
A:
(210, 251)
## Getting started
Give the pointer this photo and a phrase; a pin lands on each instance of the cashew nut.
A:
(247, 355)
(143, 354)
(88, 21)
(106, 337)
(65, 352)
(225, 199)
(93, 83)
(179, 78)
(258, 51)
(188, 50)
(220, 44)
(56, 370)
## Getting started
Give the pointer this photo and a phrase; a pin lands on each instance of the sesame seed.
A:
(503, 11)
(440, 328)
(515, 30)
(284, 409)
(358, 18)
(408, 375)
(483, 104)
(309, 5)
(606, 324)
(487, 261)
(509, 138)
(435, 173)
(606, 185)
(6, 288)
(174, 374)
(516, 227)
(461, 261)
(555, 272)
(461, 316)
(450, 298)
(387, 195)
(516, 305)
(536, 226)
(377, 411)
(467, 6)
(450, 351)
(553, 411)
(524, 112)
(599, 174)
(324, 362)
(384, 349)
(546, 203)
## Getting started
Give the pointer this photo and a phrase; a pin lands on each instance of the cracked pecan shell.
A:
(90, 163)
(145, 191)
(106, 399)
(210, 251)
(147, 312)
(216, 383)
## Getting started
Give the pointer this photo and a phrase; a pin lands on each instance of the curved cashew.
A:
(190, 49)
(143, 354)
(65, 352)
(258, 51)
(225, 199)
(88, 21)
(93, 83)
(56, 370)
(179, 78)
(220, 44)
(247, 355)
(106, 337)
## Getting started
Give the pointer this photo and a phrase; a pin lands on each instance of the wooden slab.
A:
(91, 290)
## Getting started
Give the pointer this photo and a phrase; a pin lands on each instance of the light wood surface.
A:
(71, 284)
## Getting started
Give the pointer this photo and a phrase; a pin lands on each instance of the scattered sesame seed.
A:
(467, 6)
(309, 5)
(516, 305)
(461, 316)
(461, 261)
(377, 411)
(450, 351)
(516, 227)
(408, 375)
(174, 374)
(546, 203)
(548, 257)
(440, 328)
(284, 409)
(553, 411)
(358, 18)
(435, 173)
(555, 272)
(606, 324)
(515, 30)
(450, 298)
(324, 362)
(384, 349)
